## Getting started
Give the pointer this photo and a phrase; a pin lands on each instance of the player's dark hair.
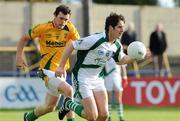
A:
(62, 8)
(112, 20)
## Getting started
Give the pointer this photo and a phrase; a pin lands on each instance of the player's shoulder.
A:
(97, 36)
(44, 25)
(69, 26)
(118, 43)
(94, 38)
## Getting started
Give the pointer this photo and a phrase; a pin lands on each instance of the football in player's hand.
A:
(136, 50)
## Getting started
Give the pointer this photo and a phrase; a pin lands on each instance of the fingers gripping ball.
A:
(137, 50)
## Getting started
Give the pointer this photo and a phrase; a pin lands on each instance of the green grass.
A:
(131, 114)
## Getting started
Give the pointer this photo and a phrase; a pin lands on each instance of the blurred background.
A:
(17, 16)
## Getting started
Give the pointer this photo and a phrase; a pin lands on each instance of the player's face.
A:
(118, 30)
(60, 20)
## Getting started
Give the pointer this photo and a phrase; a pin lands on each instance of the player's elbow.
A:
(125, 60)
(25, 37)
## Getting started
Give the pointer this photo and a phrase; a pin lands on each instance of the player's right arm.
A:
(82, 44)
(20, 62)
(33, 33)
(66, 54)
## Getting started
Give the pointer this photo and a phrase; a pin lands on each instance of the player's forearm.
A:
(66, 54)
(21, 45)
(125, 60)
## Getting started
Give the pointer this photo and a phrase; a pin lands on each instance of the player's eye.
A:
(65, 19)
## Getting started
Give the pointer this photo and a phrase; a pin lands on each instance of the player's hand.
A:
(21, 64)
(125, 83)
(59, 72)
(148, 54)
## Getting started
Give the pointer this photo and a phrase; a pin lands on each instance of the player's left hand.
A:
(20, 63)
(22, 68)
(148, 54)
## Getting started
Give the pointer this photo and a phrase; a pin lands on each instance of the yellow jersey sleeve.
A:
(37, 31)
(73, 35)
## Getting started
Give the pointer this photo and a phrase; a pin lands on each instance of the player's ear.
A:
(111, 28)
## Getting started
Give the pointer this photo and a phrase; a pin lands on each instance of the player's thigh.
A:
(101, 101)
(56, 85)
(84, 94)
(108, 83)
(90, 108)
(118, 84)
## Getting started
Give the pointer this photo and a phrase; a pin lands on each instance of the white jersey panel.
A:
(111, 65)
(94, 51)
(100, 54)
(113, 80)
(87, 42)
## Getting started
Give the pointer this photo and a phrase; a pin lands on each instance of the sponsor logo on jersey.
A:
(101, 53)
(55, 44)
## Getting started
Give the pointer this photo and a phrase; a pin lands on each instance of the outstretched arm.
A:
(66, 54)
(126, 59)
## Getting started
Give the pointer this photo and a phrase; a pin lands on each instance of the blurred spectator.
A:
(158, 45)
(128, 36)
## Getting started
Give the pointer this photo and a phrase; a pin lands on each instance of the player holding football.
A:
(93, 53)
(53, 37)
(114, 75)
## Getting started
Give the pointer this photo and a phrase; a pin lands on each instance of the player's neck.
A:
(111, 39)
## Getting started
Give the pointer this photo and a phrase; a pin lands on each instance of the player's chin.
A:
(61, 26)
(120, 35)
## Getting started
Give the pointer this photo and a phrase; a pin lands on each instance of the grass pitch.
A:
(131, 114)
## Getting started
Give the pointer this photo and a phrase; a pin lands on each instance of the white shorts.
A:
(84, 85)
(53, 83)
(113, 80)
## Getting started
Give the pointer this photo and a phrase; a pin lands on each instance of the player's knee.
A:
(69, 91)
(91, 116)
(66, 89)
(50, 108)
(103, 115)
